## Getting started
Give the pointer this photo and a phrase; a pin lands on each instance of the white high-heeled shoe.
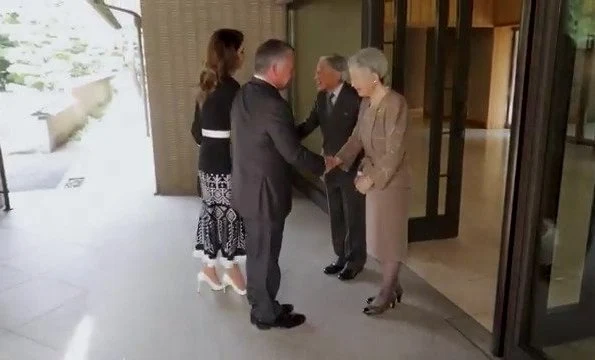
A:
(227, 281)
(202, 277)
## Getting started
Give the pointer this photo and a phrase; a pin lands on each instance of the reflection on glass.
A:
(576, 350)
(567, 240)
(580, 26)
(565, 262)
(581, 120)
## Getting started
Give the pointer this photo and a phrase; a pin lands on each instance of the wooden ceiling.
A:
(421, 13)
(486, 13)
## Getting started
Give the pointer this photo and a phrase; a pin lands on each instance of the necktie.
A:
(329, 104)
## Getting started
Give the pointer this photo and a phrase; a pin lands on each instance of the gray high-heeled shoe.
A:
(379, 309)
(398, 296)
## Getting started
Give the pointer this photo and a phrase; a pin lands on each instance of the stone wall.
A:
(65, 118)
(176, 33)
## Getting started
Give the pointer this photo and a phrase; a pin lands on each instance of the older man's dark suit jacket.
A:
(265, 146)
(336, 126)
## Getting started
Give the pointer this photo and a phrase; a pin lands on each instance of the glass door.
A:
(436, 206)
(551, 299)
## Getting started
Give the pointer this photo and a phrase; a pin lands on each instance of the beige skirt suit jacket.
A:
(381, 132)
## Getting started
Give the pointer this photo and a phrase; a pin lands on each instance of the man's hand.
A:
(331, 162)
(363, 183)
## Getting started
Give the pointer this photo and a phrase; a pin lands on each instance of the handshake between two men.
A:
(363, 183)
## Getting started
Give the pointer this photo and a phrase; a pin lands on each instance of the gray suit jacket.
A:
(265, 145)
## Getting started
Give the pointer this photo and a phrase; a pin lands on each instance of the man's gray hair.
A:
(337, 63)
(372, 59)
(270, 52)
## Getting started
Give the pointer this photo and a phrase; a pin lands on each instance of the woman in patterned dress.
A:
(220, 234)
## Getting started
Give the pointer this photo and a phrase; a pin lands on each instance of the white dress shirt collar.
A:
(336, 92)
(262, 78)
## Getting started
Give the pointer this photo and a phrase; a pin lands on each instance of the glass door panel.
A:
(552, 308)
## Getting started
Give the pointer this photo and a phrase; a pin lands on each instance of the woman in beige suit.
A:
(380, 132)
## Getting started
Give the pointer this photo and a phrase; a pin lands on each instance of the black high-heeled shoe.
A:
(398, 297)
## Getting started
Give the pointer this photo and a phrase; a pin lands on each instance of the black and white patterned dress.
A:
(220, 229)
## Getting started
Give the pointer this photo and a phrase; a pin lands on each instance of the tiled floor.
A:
(117, 281)
(464, 269)
(104, 272)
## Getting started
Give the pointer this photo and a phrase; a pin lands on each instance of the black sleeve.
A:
(225, 101)
(280, 127)
(312, 122)
(196, 125)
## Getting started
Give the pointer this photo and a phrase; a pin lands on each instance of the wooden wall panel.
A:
(176, 34)
(500, 77)
(483, 13)
(507, 12)
(422, 13)
(480, 68)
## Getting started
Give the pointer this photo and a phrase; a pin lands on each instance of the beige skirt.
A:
(387, 218)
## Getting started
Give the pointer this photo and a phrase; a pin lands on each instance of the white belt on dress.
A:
(216, 134)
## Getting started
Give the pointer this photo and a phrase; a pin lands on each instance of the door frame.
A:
(523, 61)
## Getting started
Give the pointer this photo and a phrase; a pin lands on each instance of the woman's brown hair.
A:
(222, 60)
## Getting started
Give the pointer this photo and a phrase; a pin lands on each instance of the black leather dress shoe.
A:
(347, 274)
(284, 321)
(287, 308)
(333, 269)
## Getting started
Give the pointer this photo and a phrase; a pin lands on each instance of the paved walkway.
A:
(104, 272)
(28, 164)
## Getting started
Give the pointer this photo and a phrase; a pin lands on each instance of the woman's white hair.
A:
(371, 59)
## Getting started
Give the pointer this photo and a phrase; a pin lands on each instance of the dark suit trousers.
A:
(263, 246)
(347, 209)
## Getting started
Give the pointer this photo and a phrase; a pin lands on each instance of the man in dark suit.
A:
(265, 146)
(335, 112)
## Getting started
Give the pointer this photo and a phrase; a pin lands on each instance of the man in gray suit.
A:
(335, 111)
(265, 146)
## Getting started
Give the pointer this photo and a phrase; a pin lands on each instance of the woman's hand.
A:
(363, 183)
